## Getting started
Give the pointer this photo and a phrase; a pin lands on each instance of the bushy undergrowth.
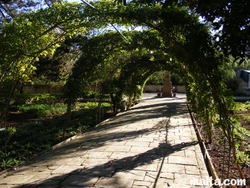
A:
(34, 137)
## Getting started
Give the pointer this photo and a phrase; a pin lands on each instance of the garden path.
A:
(151, 145)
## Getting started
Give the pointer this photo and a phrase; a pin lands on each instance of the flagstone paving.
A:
(151, 145)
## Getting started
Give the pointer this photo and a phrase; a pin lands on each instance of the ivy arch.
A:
(180, 39)
(179, 42)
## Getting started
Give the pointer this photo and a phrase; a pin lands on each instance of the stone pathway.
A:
(151, 145)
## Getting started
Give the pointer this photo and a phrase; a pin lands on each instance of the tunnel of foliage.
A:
(151, 37)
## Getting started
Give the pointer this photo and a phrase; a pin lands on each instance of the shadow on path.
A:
(102, 137)
(82, 177)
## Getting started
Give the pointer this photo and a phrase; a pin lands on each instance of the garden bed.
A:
(219, 155)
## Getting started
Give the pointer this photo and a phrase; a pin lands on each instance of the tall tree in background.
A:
(9, 9)
(231, 20)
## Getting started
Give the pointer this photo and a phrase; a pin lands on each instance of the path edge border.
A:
(206, 157)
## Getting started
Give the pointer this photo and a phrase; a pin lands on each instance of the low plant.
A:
(242, 106)
(41, 110)
(247, 118)
(8, 163)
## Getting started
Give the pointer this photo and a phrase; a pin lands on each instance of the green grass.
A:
(42, 110)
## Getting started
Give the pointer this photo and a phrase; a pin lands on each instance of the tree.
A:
(10, 9)
(230, 20)
(30, 36)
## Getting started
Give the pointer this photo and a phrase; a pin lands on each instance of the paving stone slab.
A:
(99, 171)
(117, 143)
(193, 170)
(118, 148)
(29, 170)
(143, 183)
(173, 168)
(121, 155)
(79, 180)
(131, 174)
(77, 161)
(97, 155)
(91, 163)
(179, 153)
(114, 183)
(137, 143)
(16, 179)
(148, 167)
(145, 138)
(98, 148)
(65, 169)
(142, 149)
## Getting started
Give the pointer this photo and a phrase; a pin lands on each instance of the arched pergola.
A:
(179, 43)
